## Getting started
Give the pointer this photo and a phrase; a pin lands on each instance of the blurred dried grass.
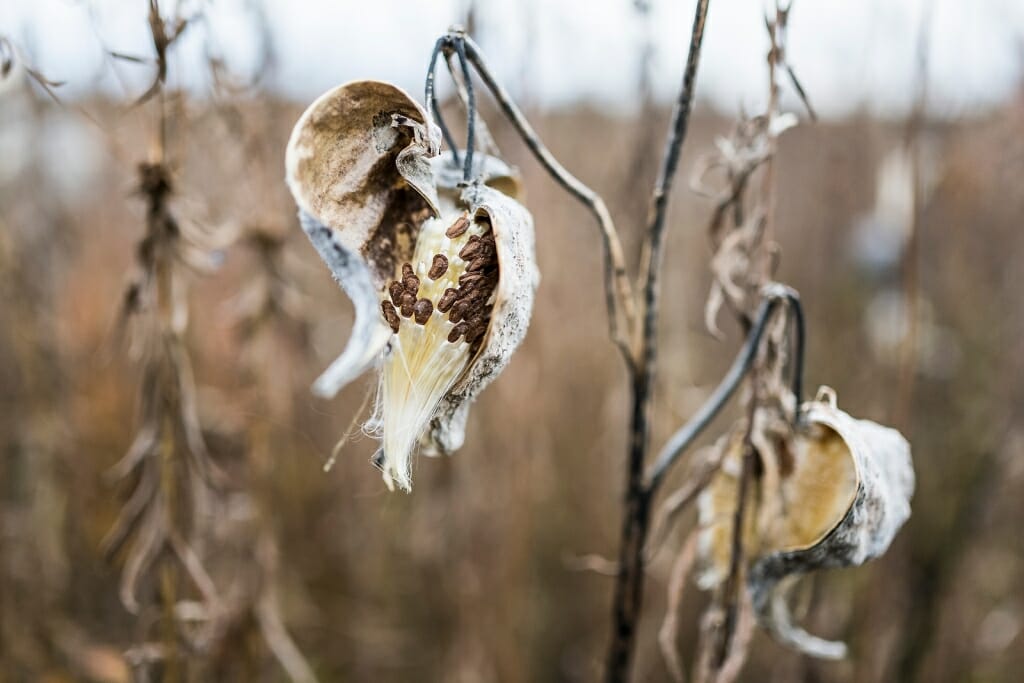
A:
(471, 578)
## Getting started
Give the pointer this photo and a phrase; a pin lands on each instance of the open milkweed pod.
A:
(442, 273)
(845, 486)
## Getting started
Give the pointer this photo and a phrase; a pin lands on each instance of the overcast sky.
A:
(849, 53)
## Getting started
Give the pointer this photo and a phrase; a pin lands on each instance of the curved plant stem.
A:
(430, 97)
(685, 436)
(467, 170)
(618, 289)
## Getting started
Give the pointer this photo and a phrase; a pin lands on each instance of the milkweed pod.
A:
(844, 488)
(856, 479)
(384, 211)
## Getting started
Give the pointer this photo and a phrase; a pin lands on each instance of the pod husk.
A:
(845, 492)
(363, 166)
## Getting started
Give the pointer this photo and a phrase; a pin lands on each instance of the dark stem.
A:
(460, 50)
(618, 290)
(430, 97)
(628, 598)
(799, 344)
(679, 442)
(670, 163)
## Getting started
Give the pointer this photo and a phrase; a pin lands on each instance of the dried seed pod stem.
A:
(681, 440)
(619, 297)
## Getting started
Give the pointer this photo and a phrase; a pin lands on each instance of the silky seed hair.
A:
(444, 297)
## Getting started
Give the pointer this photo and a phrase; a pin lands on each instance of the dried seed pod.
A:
(358, 165)
(372, 199)
(422, 311)
(847, 492)
(438, 267)
(390, 315)
(513, 291)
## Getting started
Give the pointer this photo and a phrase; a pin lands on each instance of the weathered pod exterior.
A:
(883, 483)
(363, 166)
(357, 165)
(843, 493)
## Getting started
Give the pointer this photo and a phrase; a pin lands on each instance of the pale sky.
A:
(849, 54)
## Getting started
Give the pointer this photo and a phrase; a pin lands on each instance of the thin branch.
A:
(467, 169)
(909, 267)
(685, 436)
(430, 98)
(485, 141)
(669, 631)
(659, 201)
(801, 92)
(618, 289)
(733, 580)
(628, 597)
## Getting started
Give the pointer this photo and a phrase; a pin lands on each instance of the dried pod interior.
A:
(817, 485)
(439, 308)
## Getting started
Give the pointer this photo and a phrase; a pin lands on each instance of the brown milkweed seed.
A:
(458, 227)
(395, 290)
(438, 268)
(470, 280)
(458, 310)
(412, 284)
(447, 299)
(422, 311)
(390, 314)
(471, 249)
(407, 271)
(457, 332)
(476, 331)
(408, 302)
(477, 265)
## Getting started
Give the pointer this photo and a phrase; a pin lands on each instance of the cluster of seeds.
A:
(467, 304)
(439, 300)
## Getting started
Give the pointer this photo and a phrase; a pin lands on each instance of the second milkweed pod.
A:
(845, 491)
(383, 211)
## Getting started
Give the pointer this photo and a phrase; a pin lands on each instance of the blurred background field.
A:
(475, 575)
